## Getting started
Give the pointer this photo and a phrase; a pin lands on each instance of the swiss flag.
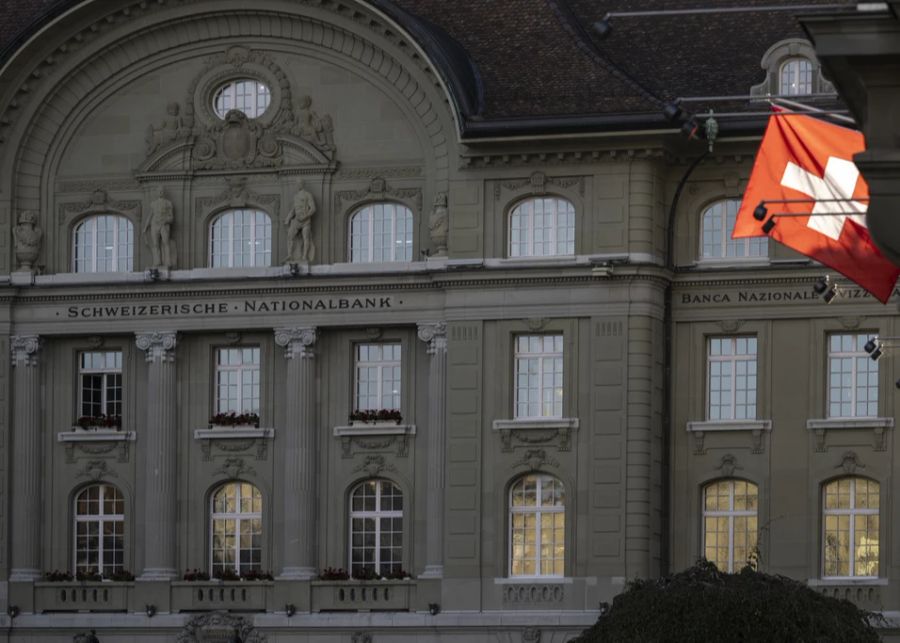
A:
(805, 158)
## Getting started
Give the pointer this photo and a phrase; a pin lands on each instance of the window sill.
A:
(534, 580)
(374, 428)
(100, 435)
(877, 425)
(756, 428)
(732, 262)
(532, 431)
(840, 582)
(233, 433)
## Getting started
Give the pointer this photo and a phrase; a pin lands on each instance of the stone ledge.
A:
(375, 428)
(756, 428)
(536, 423)
(96, 436)
(878, 426)
(233, 433)
(534, 580)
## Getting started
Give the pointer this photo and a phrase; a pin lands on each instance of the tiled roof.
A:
(536, 59)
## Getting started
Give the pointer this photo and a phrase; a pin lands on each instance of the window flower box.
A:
(98, 423)
(380, 417)
(234, 421)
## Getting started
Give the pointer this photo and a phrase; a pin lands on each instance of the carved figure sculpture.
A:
(28, 236)
(171, 129)
(301, 247)
(439, 223)
(317, 130)
(158, 229)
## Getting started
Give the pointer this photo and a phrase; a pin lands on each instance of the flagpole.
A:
(811, 109)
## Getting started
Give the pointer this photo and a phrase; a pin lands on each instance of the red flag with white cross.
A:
(804, 168)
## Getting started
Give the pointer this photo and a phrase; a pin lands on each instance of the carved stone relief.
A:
(439, 224)
(374, 465)
(220, 626)
(535, 459)
(235, 468)
(96, 470)
(539, 184)
(378, 188)
(301, 245)
(157, 230)
(561, 437)
(100, 203)
(29, 238)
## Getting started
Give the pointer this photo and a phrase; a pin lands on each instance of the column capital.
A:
(297, 341)
(435, 335)
(24, 348)
(159, 346)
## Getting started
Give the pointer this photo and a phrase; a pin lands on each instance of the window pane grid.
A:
(237, 380)
(381, 232)
(729, 523)
(731, 378)
(542, 227)
(851, 528)
(377, 377)
(717, 224)
(537, 527)
(796, 77)
(538, 376)
(236, 524)
(101, 383)
(99, 530)
(376, 528)
(248, 96)
(241, 238)
(104, 243)
(852, 377)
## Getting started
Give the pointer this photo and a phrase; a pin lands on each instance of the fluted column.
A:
(158, 442)
(26, 459)
(299, 453)
(435, 335)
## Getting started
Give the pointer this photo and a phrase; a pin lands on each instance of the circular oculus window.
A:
(245, 95)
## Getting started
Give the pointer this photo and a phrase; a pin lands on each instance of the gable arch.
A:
(361, 43)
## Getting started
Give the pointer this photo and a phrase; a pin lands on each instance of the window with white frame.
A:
(237, 380)
(377, 377)
(104, 243)
(852, 377)
(731, 378)
(236, 523)
(539, 376)
(245, 95)
(851, 525)
(796, 77)
(381, 232)
(376, 528)
(717, 224)
(542, 227)
(730, 523)
(537, 526)
(240, 239)
(99, 530)
(101, 383)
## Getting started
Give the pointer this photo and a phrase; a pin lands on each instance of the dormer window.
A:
(796, 78)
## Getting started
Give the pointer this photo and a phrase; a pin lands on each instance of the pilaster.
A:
(299, 452)
(160, 465)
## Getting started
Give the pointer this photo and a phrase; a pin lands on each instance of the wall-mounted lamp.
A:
(290, 609)
(825, 288)
(874, 348)
(434, 609)
(150, 610)
(86, 638)
(294, 269)
(13, 611)
(152, 274)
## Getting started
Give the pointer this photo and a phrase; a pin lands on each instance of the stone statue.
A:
(439, 224)
(171, 129)
(318, 130)
(158, 229)
(28, 236)
(301, 248)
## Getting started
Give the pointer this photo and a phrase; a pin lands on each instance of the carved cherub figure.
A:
(439, 223)
(316, 129)
(171, 129)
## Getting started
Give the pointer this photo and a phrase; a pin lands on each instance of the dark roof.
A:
(516, 64)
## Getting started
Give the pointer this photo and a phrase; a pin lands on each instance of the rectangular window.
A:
(852, 378)
(377, 377)
(237, 380)
(100, 373)
(539, 376)
(731, 378)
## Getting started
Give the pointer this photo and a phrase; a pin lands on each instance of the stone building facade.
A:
(289, 292)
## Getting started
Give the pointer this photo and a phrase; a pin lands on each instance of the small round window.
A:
(245, 95)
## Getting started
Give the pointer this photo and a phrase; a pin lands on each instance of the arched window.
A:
(376, 528)
(717, 226)
(104, 243)
(796, 77)
(240, 239)
(850, 522)
(381, 232)
(236, 523)
(99, 530)
(730, 523)
(542, 227)
(537, 526)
